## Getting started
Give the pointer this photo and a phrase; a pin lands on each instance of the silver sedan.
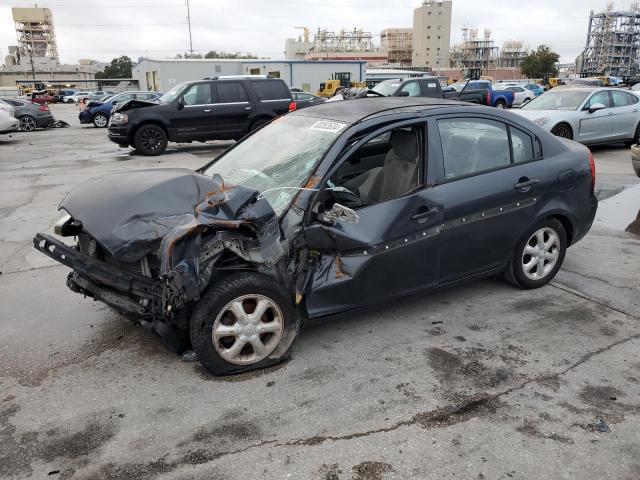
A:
(587, 115)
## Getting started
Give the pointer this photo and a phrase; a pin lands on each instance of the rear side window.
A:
(473, 145)
(231, 92)
(522, 146)
(623, 99)
(271, 90)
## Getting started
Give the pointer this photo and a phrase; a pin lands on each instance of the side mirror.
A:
(339, 213)
(180, 103)
(595, 107)
(403, 94)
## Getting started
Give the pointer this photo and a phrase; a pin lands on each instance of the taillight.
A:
(292, 107)
(488, 98)
(44, 108)
(592, 166)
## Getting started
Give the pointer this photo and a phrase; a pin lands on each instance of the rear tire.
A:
(150, 140)
(538, 256)
(224, 332)
(562, 130)
(28, 123)
(501, 105)
(100, 120)
(636, 137)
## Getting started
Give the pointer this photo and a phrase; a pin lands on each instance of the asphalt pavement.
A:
(481, 381)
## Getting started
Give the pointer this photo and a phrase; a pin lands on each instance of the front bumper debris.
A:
(125, 291)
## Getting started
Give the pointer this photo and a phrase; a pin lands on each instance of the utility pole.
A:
(189, 23)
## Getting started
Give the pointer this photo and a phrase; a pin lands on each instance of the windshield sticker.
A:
(431, 85)
(328, 126)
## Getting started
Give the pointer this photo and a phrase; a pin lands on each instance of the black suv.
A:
(219, 108)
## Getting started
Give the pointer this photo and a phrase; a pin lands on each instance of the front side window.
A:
(386, 167)
(599, 97)
(199, 94)
(231, 92)
(412, 88)
(473, 145)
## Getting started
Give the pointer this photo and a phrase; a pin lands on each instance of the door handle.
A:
(525, 184)
(247, 108)
(422, 213)
(208, 110)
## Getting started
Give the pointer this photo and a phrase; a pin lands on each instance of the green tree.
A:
(118, 68)
(539, 62)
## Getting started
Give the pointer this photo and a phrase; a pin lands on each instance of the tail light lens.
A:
(44, 108)
(592, 166)
(292, 107)
(489, 98)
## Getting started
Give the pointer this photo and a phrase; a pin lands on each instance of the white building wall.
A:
(168, 73)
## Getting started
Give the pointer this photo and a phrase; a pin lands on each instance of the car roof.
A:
(352, 111)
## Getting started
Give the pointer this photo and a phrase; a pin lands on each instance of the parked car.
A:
(635, 87)
(76, 97)
(98, 112)
(30, 115)
(62, 93)
(220, 108)
(586, 82)
(323, 211)
(535, 88)
(8, 123)
(587, 115)
(304, 99)
(429, 87)
(635, 158)
(497, 98)
(521, 95)
(8, 108)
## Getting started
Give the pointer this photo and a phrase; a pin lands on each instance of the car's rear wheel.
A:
(243, 323)
(501, 105)
(28, 123)
(150, 140)
(636, 137)
(562, 130)
(539, 256)
(100, 120)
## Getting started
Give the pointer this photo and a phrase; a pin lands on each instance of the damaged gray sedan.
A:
(324, 210)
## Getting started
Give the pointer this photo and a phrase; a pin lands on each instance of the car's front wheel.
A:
(562, 130)
(100, 120)
(150, 140)
(243, 323)
(538, 256)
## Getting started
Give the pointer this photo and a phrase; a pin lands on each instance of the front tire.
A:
(538, 256)
(100, 120)
(28, 123)
(562, 130)
(150, 140)
(243, 323)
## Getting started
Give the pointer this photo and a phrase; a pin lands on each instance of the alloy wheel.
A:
(562, 131)
(541, 253)
(151, 140)
(248, 329)
(27, 124)
(100, 121)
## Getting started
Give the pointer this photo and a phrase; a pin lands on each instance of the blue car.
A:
(535, 88)
(99, 113)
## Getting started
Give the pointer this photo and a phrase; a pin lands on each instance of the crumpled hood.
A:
(133, 104)
(129, 213)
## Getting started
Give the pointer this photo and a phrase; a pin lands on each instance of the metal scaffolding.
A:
(477, 53)
(613, 43)
(355, 40)
(35, 32)
(398, 43)
(512, 54)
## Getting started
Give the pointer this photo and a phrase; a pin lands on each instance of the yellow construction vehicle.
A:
(337, 82)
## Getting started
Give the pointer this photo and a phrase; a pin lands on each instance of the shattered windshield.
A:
(387, 88)
(172, 94)
(277, 160)
(558, 100)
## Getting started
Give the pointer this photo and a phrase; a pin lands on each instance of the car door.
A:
(231, 110)
(625, 115)
(392, 248)
(194, 117)
(410, 89)
(489, 200)
(596, 126)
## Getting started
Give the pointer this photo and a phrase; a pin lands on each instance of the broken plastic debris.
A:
(189, 356)
(601, 426)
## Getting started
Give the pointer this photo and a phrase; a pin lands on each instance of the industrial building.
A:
(432, 34)
(512, 54)
(613, 43)
(397, 43)
(162, 75)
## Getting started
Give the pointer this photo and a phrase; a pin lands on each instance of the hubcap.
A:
(541, 253)
(27, 124)
(151, 139)
(100, 120)
(248, 329)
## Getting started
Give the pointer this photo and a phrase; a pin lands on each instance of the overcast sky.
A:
(157, 28)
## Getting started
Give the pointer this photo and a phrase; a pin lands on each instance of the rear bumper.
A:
(44, 120)
(583, 227)
(126, 292)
